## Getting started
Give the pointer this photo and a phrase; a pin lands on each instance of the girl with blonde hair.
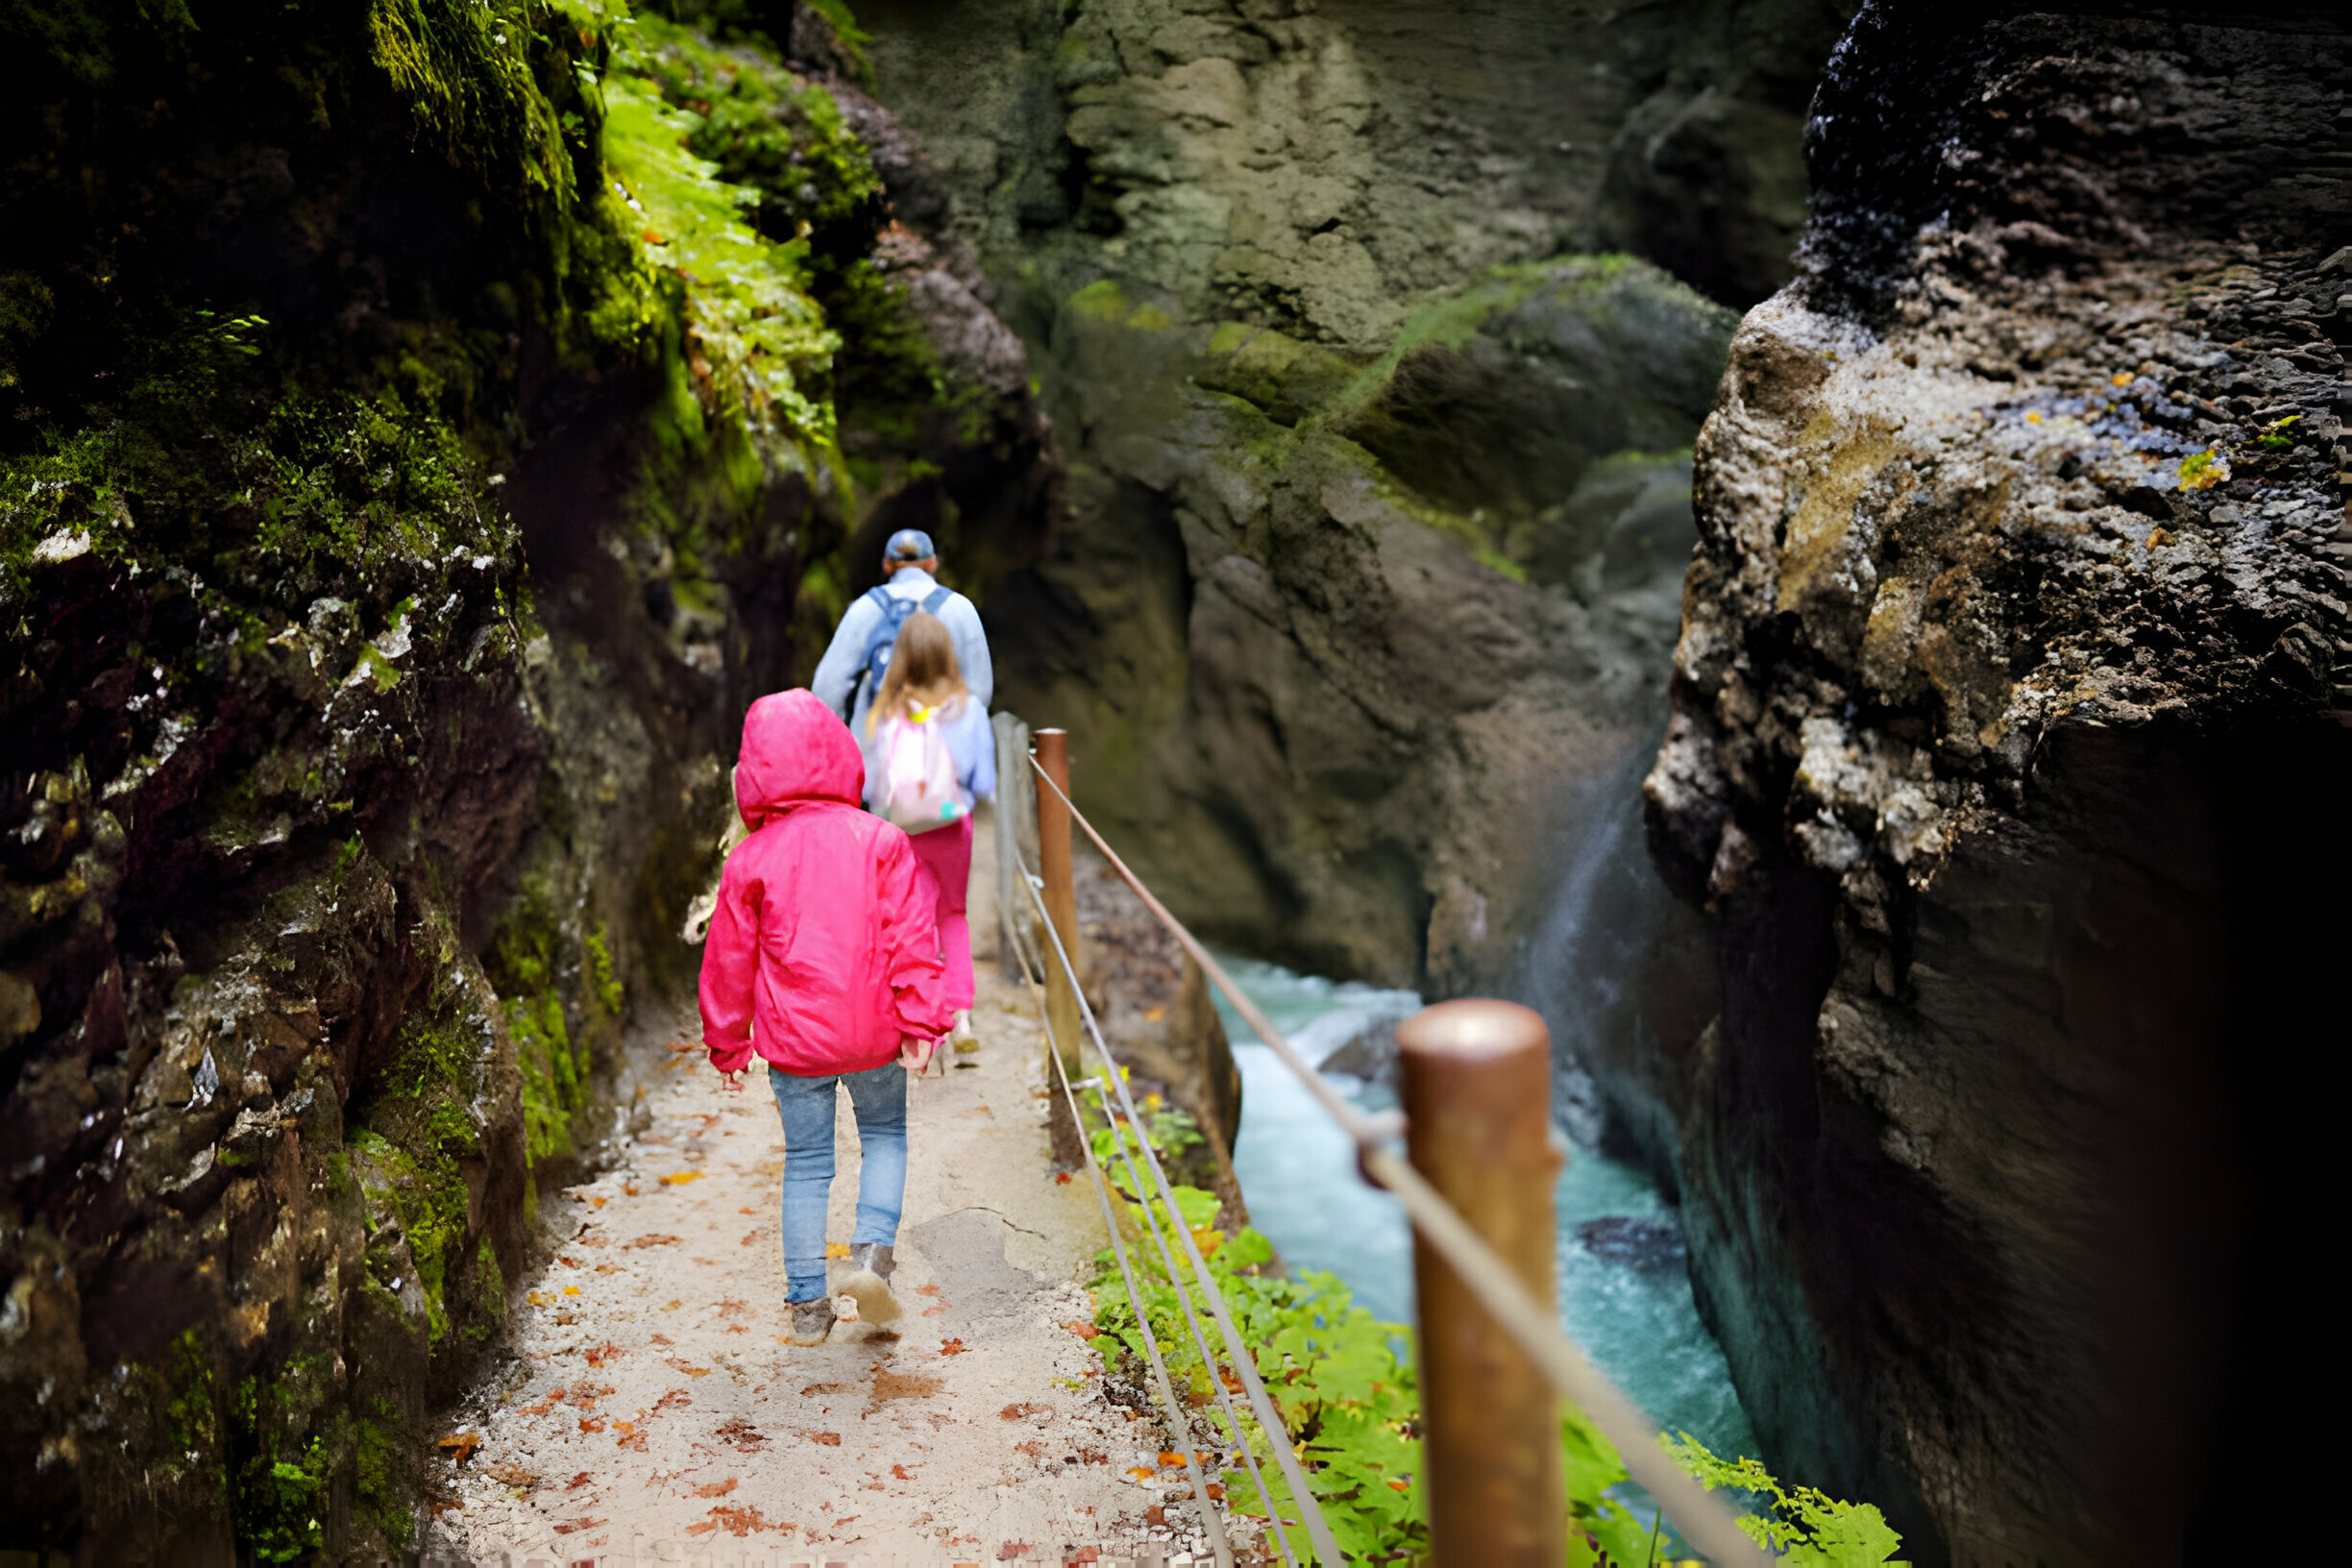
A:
(929, 755)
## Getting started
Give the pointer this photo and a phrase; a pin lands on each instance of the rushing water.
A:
(1625, 1293)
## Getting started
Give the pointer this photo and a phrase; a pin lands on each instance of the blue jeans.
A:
(878, 1097)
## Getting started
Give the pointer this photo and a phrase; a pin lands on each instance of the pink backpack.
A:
(919, 791)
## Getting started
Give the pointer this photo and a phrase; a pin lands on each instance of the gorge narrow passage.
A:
(654, 1407)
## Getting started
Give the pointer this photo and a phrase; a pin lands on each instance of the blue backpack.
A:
(885, 636)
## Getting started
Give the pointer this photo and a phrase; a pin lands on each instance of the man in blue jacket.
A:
(851, 671)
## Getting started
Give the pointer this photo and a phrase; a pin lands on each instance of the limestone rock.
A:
(2005, 712)
(1374, 515)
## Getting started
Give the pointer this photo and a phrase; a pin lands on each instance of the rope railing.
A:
(1033, 974)
(1215, 1527)
(1702, 1519)
(1239, 1356)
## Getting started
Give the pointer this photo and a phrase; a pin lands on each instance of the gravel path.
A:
(657, 1413)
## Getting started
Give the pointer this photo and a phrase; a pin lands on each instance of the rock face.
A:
(399, 511)
(2009, 721)
(1373, 523)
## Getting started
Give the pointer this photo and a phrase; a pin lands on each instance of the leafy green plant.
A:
(1804, 1527)
(1344, 1385)
(2276, 437)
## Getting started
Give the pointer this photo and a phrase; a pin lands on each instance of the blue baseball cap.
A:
(908, 545)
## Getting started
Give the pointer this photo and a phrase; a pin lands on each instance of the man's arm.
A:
(836, 679)
(971, 649)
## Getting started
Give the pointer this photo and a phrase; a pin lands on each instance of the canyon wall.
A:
(1376, 480)
(2006, 759)
(426, 429)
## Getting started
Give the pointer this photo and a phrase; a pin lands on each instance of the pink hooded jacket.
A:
(824, 948)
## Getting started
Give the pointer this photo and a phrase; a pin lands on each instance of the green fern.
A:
(1804, 1527)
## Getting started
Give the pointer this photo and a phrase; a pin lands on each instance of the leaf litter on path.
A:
(972, 1443)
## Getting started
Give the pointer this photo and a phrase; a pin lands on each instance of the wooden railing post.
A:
(1015, 817)
(1062, 908)
(1477, 1083)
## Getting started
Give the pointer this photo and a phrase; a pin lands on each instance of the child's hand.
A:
(915, 1055)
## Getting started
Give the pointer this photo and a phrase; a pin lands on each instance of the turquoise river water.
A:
(1624, 1295)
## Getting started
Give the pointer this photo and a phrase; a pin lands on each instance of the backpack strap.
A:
(936, 598)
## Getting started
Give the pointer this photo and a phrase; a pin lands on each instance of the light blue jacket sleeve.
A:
(836, 679)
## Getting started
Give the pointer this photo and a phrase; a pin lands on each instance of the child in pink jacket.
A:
(824, 956)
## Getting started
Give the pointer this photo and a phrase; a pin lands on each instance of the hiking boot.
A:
(866, 1275)
(812, 1321)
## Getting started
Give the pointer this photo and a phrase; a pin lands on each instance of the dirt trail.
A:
(658, 1414)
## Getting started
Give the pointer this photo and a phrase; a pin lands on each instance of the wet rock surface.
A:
(1374, 518)
(2008, 702)
(1152, 1003)
(373, 629)
(1634, 1242)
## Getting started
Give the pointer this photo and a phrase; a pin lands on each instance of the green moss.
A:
(378, 1481)
(281, 1481)
(195, 456)
(551, 1088)
(1282, 376)
(532, 961)
(853, 38)
(489, 1285)
(465, 66)
(601, 976)
(418, 1130)
(1102, 300)
(165, 1466)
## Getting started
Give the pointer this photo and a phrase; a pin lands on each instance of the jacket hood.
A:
(795, 749)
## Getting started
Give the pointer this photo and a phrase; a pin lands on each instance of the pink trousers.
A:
(946, 853)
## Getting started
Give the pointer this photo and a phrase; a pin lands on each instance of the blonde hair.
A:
(924, 671)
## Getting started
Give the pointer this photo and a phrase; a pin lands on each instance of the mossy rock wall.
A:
(399, 503)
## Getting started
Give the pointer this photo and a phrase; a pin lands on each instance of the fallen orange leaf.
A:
(680, 1178)
(951, 1347)
(1172, 1458)
(571, 1289)
(600, 1202)
(837, 1249)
